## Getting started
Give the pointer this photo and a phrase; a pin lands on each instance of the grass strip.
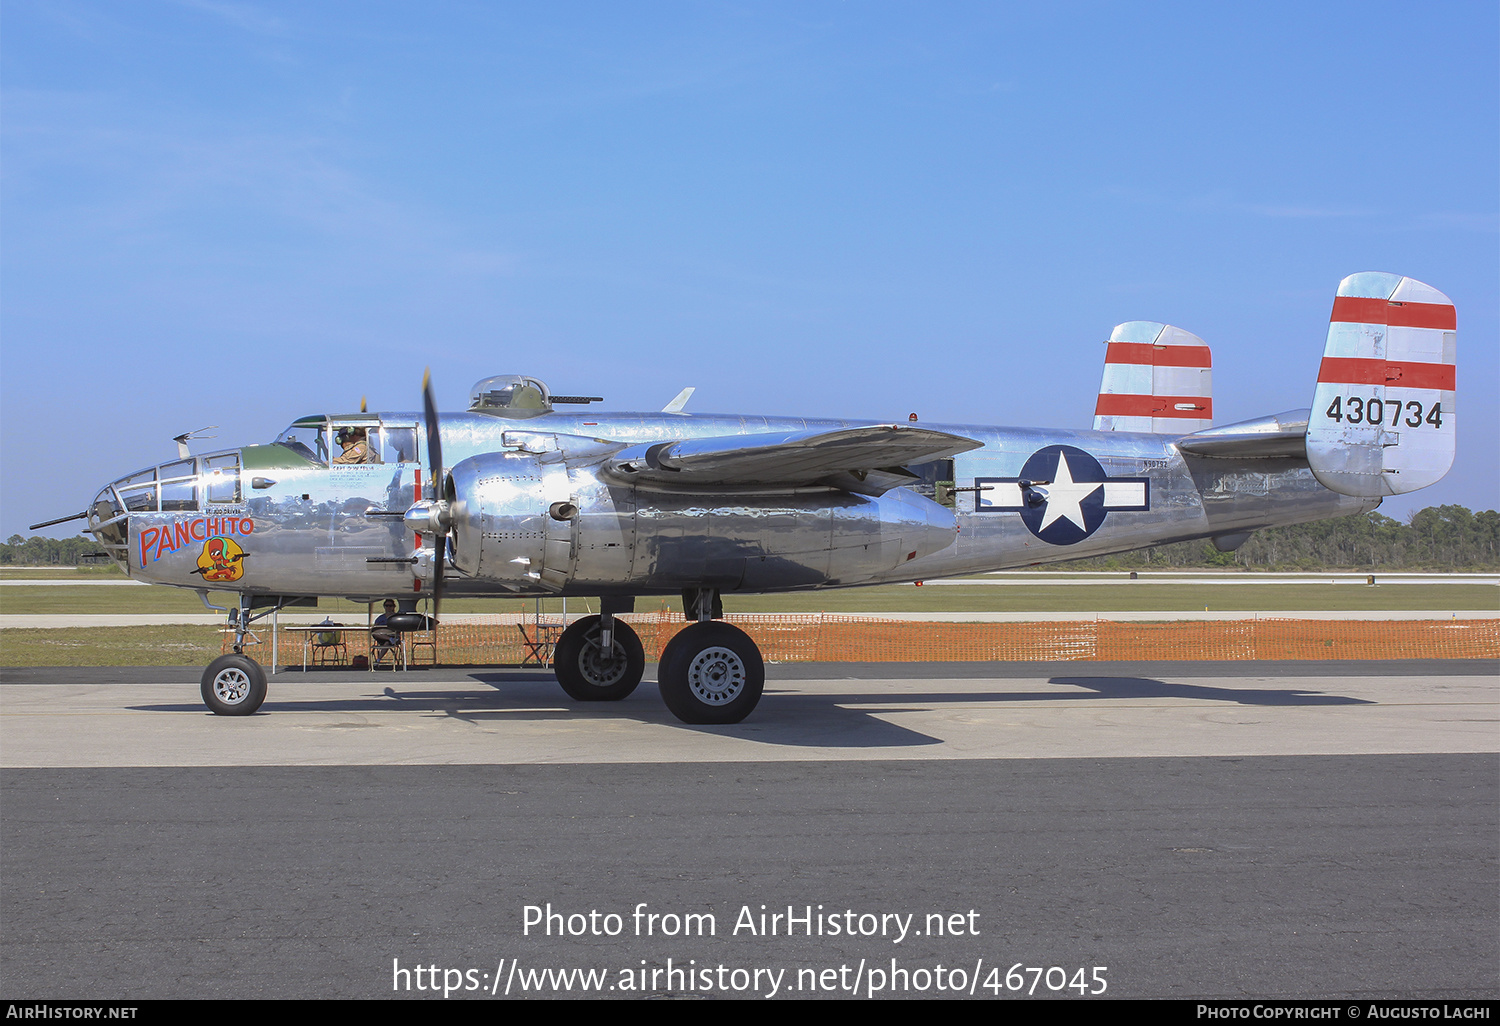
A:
(883, 599)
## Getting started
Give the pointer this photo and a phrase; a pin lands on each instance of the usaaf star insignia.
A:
(1063, 494)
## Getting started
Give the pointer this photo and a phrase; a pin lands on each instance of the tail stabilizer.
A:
(1383, 415)
(1157, 378)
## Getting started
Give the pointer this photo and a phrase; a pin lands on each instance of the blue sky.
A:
(228, 213)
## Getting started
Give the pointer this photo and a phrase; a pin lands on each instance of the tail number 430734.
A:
(1357, 410)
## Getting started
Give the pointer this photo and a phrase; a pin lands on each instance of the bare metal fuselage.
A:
(301, 527)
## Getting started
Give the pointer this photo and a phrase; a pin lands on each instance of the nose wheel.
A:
(711, 672)
(234, 685)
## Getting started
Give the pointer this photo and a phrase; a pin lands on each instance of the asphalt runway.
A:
(1204, 830)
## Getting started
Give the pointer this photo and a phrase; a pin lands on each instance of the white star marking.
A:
(1064, 496)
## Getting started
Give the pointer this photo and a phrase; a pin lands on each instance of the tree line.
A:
(1436, 538)
(39, 551)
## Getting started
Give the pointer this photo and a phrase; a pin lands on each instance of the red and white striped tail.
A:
(1156, 378)
(1383, 418)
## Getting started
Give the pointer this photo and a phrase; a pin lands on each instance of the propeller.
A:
(427, 516)
(438, 516)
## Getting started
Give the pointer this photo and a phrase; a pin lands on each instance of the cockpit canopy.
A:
(208, 483)
(510, 395)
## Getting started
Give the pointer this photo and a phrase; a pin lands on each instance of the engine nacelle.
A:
(541, 520)
(499, 510)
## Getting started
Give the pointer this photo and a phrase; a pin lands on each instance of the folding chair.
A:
(328, 649)
(393, 651)
(423, 639)
(540, 640)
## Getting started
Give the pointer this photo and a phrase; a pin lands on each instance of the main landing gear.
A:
(599, 659)
(710, 672)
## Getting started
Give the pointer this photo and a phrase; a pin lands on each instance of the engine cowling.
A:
(499, 515)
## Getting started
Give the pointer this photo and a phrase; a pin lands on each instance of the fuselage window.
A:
(221, 478)
(936, 481)
(356, 444)
(138, 492)
(398, 444)
(178, 484)
(307, 438)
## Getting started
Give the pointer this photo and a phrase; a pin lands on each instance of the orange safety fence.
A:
(831, 637)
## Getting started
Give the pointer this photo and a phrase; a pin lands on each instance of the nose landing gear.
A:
(234, 685)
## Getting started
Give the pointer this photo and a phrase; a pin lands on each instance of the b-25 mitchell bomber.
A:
(518, 498)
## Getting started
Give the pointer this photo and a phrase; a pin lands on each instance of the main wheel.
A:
(234, 685)
(586, 673)
(711, 673)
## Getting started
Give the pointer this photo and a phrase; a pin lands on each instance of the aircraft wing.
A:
(861, 459)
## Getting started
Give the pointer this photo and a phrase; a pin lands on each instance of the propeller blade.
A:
(435, 458)
(440, 555)
(434, 442)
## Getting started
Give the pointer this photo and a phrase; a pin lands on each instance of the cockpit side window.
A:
(221, 478)
(397, 443)
(355, 441)
(308, 438)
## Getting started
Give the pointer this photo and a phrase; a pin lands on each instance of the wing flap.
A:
(850, 458)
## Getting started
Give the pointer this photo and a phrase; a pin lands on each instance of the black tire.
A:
(666, 652)
(711, 673)
(582, 671)
(234, 685)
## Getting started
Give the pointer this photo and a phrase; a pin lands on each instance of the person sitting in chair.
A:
(383, 634)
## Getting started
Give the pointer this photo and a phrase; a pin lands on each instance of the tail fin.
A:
(1156, 378)
(1383, 414)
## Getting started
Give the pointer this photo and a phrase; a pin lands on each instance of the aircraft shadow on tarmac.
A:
(846, 719)
(1145, 687)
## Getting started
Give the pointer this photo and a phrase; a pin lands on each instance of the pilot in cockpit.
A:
(355, 444)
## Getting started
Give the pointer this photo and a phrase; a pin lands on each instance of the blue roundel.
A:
(1075, 505)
